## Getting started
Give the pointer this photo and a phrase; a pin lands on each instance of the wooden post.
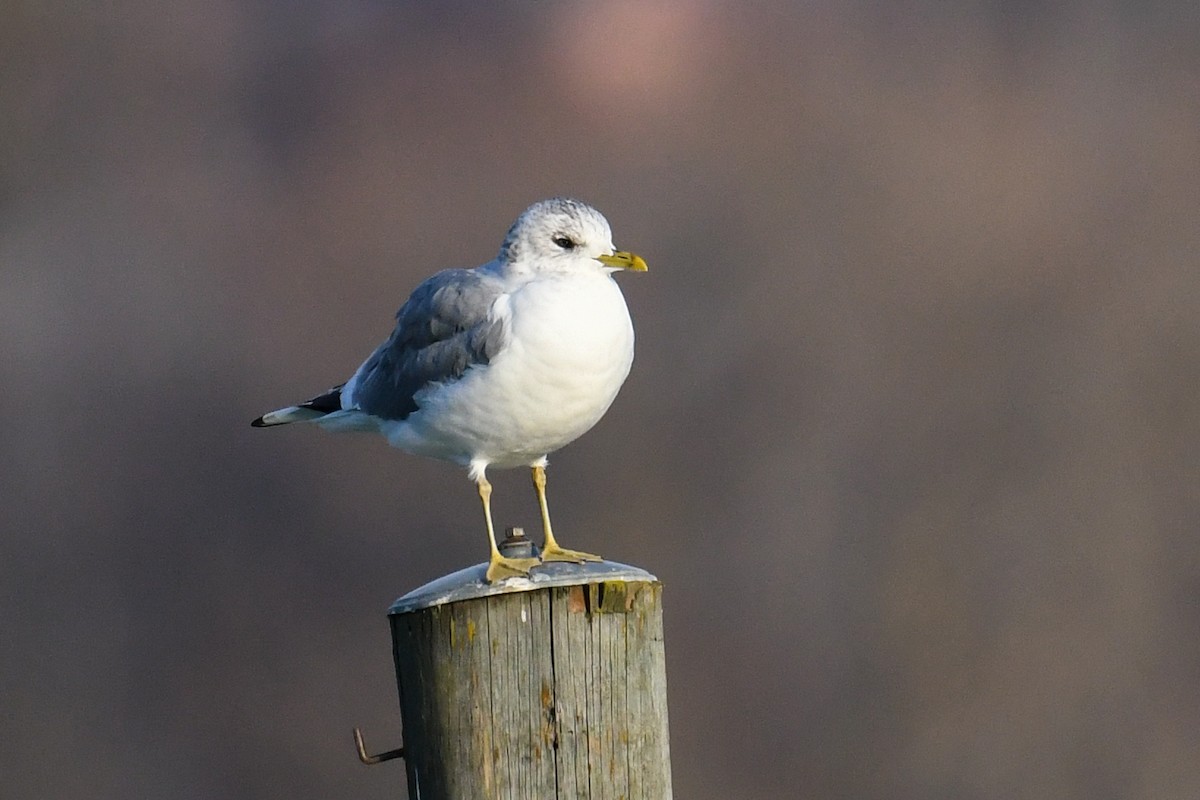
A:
(551, 688)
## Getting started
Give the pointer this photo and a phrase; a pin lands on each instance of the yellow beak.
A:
(623, 260)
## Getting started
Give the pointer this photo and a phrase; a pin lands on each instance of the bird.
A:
(499, 365)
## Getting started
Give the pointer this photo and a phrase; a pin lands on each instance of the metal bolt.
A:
(515, 544)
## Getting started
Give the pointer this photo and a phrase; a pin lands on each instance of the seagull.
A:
(499, 365)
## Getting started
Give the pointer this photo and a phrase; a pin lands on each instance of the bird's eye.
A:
(564, 242)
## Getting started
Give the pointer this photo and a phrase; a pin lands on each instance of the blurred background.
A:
(911, 437)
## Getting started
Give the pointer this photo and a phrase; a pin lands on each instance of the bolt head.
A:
(516, 544)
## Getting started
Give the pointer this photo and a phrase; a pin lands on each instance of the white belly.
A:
(570, 349)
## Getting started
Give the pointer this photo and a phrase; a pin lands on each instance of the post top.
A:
(470, 583)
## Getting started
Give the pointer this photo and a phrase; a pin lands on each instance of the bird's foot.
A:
(555, 553)
(502, 567)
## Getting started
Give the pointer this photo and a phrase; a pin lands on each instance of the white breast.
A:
(570, 349)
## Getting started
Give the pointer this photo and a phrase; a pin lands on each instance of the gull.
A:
(499, 365)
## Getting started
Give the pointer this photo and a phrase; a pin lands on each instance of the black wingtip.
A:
(258, 423)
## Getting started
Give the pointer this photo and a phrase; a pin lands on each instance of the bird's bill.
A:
(623, 260)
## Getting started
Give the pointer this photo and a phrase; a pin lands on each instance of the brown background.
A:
(911, 437)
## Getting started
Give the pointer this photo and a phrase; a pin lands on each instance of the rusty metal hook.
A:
(369, 760)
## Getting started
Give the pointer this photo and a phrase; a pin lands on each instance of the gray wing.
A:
(441, 330)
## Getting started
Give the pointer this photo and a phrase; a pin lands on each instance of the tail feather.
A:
(316, 408)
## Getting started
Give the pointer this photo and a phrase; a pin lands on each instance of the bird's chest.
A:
(571, 331)
(568, 349)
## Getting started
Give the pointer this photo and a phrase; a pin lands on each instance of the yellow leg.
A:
(500, 567)
(551, 551)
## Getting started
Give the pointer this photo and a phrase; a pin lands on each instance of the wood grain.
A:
(555, 693)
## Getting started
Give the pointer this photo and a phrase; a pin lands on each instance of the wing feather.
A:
(445, 327)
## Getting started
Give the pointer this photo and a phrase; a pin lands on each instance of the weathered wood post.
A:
(551, 688)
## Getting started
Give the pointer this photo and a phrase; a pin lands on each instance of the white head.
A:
(563, 235)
